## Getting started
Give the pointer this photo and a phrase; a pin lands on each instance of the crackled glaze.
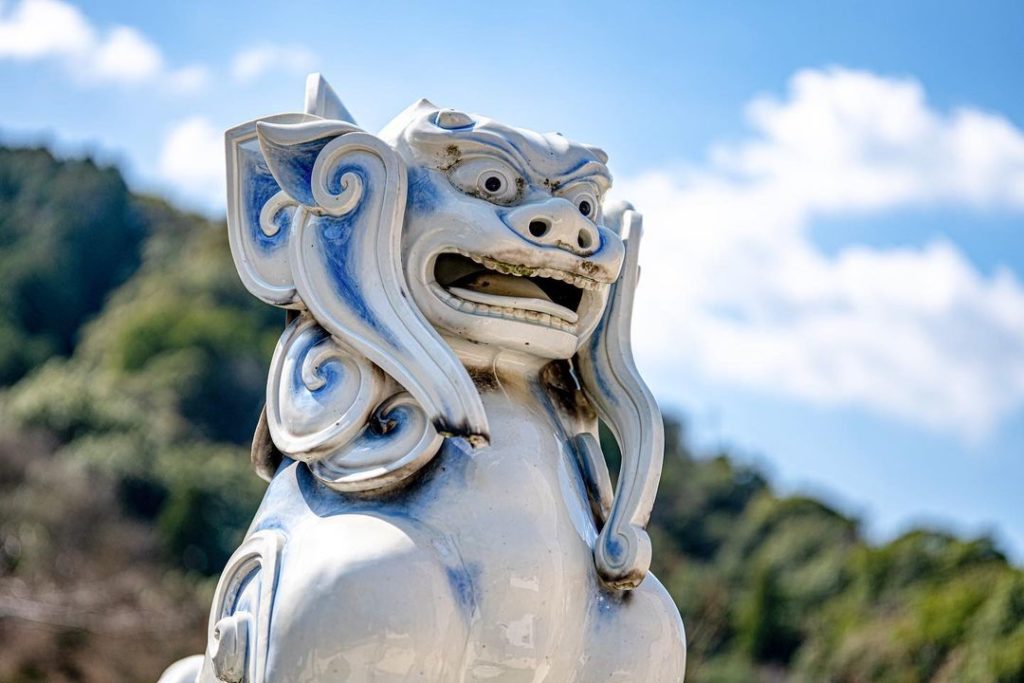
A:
(438, 506)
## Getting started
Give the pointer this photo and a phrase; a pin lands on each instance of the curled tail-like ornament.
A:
(330, 407)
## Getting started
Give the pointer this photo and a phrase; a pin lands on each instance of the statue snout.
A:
(555, 223)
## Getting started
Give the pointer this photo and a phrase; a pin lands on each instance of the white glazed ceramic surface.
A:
(438, 507)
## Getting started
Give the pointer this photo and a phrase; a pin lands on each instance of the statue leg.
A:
(636, 635)
(361, 598)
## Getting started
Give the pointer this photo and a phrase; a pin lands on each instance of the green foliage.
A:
(124, 475)
(198, 524)
(164, 388)
(69, 233)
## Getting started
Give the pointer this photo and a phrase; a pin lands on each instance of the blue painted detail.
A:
(292, 167)
(470, 124)
(339, 242)
(423, 195)
(595, 342)
(613, 546)
(294, 497)
(244, 598)
(258, 187)
(453, 460)
(398, 419)
(578, 166)
(463, 580)
(608, 604)
(334, 182)
(294, 493)
(328, 372)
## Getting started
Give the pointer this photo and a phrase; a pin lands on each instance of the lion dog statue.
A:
(438, 507)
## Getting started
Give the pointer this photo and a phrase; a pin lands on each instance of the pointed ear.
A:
(291, 151)
(611, 381)
(259, 215)
(322, 101)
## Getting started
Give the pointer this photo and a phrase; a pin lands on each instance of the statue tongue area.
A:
(473, 282)
(498, 289)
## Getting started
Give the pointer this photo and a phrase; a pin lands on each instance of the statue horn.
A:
(322, 101)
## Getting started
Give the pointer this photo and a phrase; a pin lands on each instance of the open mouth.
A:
(486, 286)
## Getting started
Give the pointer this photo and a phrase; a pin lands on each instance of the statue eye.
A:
(487, 178)
(584, 196)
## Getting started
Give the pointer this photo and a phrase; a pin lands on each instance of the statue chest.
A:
(492, 546)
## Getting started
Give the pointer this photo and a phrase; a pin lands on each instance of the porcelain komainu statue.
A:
(439, 508)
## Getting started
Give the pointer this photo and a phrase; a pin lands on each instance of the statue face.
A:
(503, 242)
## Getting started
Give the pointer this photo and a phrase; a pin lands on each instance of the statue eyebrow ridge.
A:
(509, 152)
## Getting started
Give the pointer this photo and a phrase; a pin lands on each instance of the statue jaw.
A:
(539, 311)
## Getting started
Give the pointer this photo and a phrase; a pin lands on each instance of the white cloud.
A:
(734, 288)
(252, 63)
(192, 161)
(37, 30)
(40, 28)
(126, 55)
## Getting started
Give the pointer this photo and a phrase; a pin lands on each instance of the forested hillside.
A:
(133, 367)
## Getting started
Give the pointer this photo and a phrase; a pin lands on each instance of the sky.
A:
(833, 194)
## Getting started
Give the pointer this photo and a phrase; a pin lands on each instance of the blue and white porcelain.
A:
(438, 506)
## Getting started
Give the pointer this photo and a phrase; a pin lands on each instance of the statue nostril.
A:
(584, 239)
(539, 228)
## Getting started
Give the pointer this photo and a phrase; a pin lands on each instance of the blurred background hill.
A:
(133, 367)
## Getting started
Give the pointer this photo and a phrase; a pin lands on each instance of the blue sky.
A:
(834, 193)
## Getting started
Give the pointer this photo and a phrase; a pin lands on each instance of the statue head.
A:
(504, 241)
(445, 226)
